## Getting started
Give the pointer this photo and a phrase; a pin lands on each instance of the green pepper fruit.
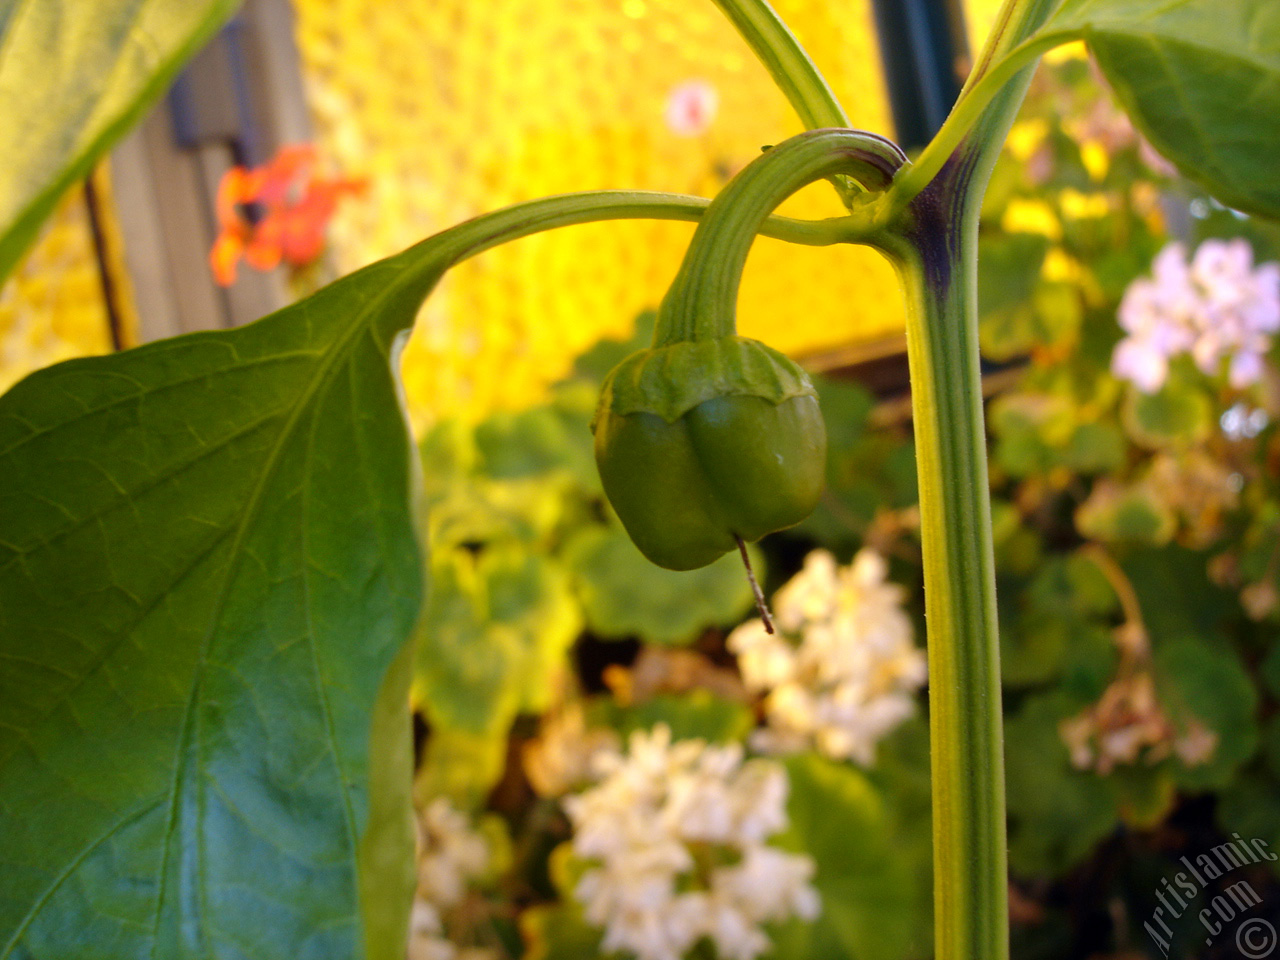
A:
(702, 441)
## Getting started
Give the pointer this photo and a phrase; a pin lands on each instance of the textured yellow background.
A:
(457, 107)
(52, 306)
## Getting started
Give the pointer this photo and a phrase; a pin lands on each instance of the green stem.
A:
(777, 48)
(702, 301)
(792, 70)
(489, 230)
(936, 265)
(1012, 46)
(933, 241)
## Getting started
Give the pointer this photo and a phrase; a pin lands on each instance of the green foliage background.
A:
(211, 562)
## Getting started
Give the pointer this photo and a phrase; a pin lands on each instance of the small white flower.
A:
(735, 934)
(851, 678)
(809, 596)
(765, 659)
(451, 855)
(770, 884)
(1246, 368)
(1142, 364)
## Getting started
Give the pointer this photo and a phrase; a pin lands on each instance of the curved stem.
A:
(792, 70)
(486, 231)
(805, 88)
(702, 301)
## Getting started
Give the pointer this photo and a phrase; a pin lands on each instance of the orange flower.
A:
(297, 202)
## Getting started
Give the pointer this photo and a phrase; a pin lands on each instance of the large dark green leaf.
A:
(74, 75)
(207, 571)
(1201, 79)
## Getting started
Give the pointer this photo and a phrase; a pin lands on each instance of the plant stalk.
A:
(933, 241)
(787, 62)
(937, 265)
(489, 230)
(981, 117)
(796, 75)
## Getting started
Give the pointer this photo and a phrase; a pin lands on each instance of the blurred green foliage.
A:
(1138, 555)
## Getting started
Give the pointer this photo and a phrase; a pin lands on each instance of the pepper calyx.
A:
(670, 381)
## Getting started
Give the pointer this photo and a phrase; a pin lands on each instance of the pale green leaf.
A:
(493, 638)
(461, 764)
(494, 633)
(1176, 416)
(74, 75)
(207, 569)
(1134, 514)
(623, 594)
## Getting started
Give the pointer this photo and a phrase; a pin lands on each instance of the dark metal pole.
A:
(923, 46)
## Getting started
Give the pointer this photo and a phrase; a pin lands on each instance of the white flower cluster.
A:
(676, 834)
(852, 676)
(1217, 308)
(451, 854)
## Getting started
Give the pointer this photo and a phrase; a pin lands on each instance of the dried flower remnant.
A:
(666, 670)
(566, 752)
(297, 201)
(1199, 489)
(1218, 308)
(676, 837)
(1128, 724)
(1260, 600)
(844, 671)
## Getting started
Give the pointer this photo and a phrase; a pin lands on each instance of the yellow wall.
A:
(456, 107)
(52, 307)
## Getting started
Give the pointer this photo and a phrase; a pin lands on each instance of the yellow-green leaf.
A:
(74, 75)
